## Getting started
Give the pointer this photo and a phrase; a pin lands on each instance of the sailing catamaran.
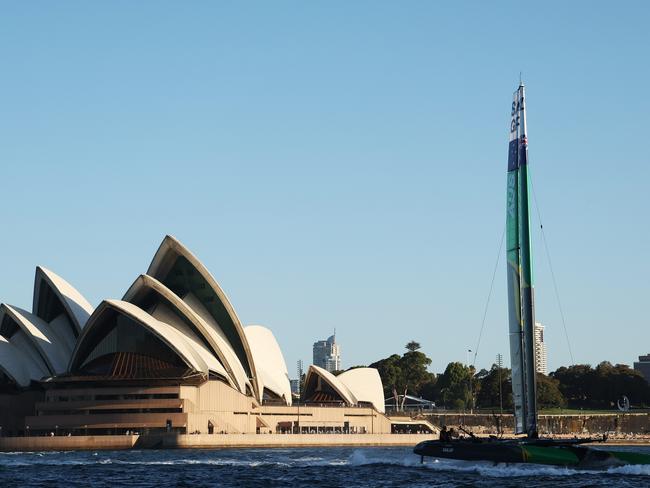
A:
(521, 314)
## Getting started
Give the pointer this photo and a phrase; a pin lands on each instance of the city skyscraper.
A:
(541, 356)
(327, 354)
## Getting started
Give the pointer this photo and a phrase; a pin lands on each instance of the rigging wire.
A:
(550, 265)
(487, 303)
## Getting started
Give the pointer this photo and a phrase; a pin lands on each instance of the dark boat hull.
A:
(528, 451)
(495, 451)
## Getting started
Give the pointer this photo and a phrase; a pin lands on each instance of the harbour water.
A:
(266, 468)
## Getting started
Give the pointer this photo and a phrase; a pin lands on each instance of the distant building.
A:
(643, 366)
(295, 387)
(327, 354)
(541, 356)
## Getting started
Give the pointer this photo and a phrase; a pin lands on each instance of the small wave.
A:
(47, 463)
(308, 459)
(34, 453)
(184, 462)
(633, 469)
(143, 463)
(502, 470)
(359, 458)
(14, 464)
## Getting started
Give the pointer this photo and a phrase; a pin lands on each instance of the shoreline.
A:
(206, 441)
(243, 441)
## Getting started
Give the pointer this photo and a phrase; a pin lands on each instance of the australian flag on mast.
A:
(518, 147)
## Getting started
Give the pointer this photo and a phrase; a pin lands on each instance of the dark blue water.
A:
(266, 468)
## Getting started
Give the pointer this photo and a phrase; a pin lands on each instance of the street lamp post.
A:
(471, 394)
(298, 422)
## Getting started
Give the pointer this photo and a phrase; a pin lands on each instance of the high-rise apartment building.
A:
(540, 350)
(327, 354)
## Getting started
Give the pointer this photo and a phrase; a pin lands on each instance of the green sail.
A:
(521, 313)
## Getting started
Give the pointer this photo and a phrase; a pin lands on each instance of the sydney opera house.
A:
(170, 356)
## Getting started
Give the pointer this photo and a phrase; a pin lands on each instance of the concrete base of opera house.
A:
(292, 440)
(205, 441)
(67, 443)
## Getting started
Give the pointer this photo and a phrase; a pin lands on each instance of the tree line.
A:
(461, 387)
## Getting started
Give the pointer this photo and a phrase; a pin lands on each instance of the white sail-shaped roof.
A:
(168, 315)
(18, 366)
(359, 385)
(323, 375)
(169, 335)
(179, 270)
(169, 308)
(54, 297)
(269, 361)
(366, 386)
(220, 342)
(34, 337)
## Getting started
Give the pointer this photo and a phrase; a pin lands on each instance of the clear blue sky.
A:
(334, 164)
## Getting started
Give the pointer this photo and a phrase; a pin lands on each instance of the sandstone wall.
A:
(597, 423)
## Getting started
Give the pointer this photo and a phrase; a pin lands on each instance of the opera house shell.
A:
(170, 355)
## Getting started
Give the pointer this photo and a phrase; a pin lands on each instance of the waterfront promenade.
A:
(206, 441)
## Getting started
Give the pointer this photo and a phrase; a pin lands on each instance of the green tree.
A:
(413, 346)
(603, 386)
(612, 382)
(489, 395)
(391, 375)
(413, 366)
(577, 384)
(429, 389)
(405, 374)
(548, 392)
(454, 386)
